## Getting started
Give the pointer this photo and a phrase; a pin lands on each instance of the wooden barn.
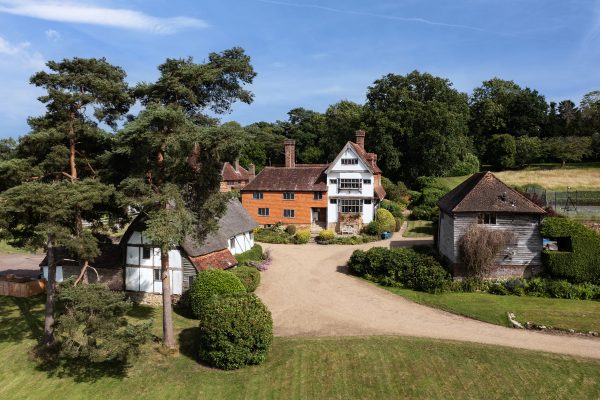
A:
(484, 199)
(217, 250)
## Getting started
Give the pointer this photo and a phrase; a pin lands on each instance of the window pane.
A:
(146, 253)
(157, 274)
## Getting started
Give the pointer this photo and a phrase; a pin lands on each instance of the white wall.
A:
(242, 242)
(59, 273)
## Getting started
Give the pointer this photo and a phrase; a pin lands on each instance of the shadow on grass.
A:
(422, 230)
(189, 343)
(141, 312)
(21, 318)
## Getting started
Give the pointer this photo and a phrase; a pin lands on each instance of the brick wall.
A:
(302, 204)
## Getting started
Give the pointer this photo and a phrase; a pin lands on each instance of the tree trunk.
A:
(168, 338)
(72, 147)
(48, 338)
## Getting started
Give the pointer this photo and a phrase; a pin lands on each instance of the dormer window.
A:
(349, 161)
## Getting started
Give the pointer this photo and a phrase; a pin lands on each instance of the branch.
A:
(88, 164)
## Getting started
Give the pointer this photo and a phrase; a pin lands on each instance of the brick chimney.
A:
(360, 139)
(251, 171)
(290, 153)
(236, 165)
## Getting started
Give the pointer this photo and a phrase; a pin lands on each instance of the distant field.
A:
(585, 176)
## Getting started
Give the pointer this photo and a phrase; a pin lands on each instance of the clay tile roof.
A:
(230, 174)
(366, 157)
(483, 192)
(301, 178)
(379, 192)
(222, 259)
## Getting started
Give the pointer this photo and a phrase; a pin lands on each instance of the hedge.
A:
(254, 254)
(582, 263)
(249, 276)
(212, 283)
(400, 267)
(237, 331)
(302, 236)
(326, 234)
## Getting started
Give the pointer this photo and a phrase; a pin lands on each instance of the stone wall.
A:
(501, 271)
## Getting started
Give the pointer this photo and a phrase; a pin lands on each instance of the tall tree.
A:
(590, 111)
(417, 124)
(176, 156)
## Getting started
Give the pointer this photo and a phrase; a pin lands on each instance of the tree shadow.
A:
(342, 269)
(424, 230)
(79, 370)
(141, 312)
(189, 345)
(21, 318)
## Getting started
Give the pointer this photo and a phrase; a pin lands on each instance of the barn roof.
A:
(483, 192)
(221, 259)
(110, 257)
(301, 178)
(229, 173)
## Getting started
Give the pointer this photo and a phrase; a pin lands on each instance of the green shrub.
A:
(272, 235)
(397, 192)
(291, 230)
(393, 207)
(249, 276)
(302, 236)
(326, 234)
(498, 288)
(399, 267)
(398, 226)
(425, 213)
(237, 331)
(467, 166)
(385, 219)
(350, 240)
(212, 283)
(582, 263)
(373, 228)
(254, 254)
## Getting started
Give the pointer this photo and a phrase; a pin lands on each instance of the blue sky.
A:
(307, 53)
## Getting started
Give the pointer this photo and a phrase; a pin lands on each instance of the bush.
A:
(212, 283)
(237, 331)
(291, 230)
(326, 234)
(249, 276)
(350, 240)
(397, 192)
(373, 228)
(467, 166)
(425, 213)
(579, 262)
(302, 236)
(398, 224)
(393, 207)
(385, 219)
(272, 235)
(479, 248)
(399, 267)
(254, 254)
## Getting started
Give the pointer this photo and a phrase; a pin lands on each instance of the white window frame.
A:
(257, 195)
(266, 212)
(349, 161)
(289, 196)
(290, 213)
(350, 184)
(350, 206)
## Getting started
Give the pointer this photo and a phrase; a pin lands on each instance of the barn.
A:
(484, 199)
(217, 250)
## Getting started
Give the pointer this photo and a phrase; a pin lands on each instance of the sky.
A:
(307, 53)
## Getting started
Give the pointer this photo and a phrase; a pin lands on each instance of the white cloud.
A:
(75, 12)
(52, 35)
(20, 54)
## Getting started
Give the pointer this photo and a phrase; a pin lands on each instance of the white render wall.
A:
(242, 242)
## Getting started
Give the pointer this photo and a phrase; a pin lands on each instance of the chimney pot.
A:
(360, 139)
(290, 153)
(252, 171)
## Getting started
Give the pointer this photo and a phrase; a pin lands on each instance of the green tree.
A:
(306, 127)
(417, 124)
(502, 151)
(569, 148)
(529, 149)
(590, 111)
(342, 120)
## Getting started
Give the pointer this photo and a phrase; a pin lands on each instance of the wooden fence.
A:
(21, 287)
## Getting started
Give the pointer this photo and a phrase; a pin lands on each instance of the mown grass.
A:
(298, 368)
(581, 315)
(6, 248)
(418, 228)
(584, 176)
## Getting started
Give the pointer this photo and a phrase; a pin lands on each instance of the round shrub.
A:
(326, 234)
(212, 283)
(237, 331)
(303, 236)
(291, 229)
(385, 219)
(249, 276)
(373, 228)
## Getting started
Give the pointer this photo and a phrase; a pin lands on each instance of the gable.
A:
(349, 153)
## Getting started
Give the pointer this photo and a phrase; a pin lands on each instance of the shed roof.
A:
(301, 178)
(221, 259)
(483, 192)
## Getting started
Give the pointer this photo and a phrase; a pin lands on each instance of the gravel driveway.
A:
(309, 294)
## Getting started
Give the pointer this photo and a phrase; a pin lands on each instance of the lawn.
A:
(6, 248)
(299, 368)
(581, 315)
(418, 229)
(584, 176)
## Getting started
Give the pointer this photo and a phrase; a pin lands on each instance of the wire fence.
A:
(571, 202)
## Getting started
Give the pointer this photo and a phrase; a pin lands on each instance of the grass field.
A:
(581, 315)
(8, 249)
(418, 229)
(585, 176)
(298, 368)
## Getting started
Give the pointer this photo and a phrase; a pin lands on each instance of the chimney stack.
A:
(252, 171)
(236, 165)
(360, 139)
(290, 153)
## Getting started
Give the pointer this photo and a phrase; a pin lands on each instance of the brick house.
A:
(235, 177)
(341, 196)
(485, 200)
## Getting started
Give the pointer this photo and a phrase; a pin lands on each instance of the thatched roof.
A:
(483, 192)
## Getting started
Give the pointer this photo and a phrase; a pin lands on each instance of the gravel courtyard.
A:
(310, 294)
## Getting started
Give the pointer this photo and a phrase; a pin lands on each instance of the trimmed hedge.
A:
(326, 234)
(302, 236)
(385, 219)
(350, 240)
(212, 283)
(254, 254)
(401, 268)
(237, 331)
(249, 276)
(582, 263)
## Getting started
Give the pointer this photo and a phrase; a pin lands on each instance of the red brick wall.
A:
(302, 204)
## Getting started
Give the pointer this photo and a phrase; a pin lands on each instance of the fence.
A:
(570, 201)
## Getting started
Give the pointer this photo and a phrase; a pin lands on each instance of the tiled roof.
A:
(483, 192)
(222, 259)
(367, 158)
(230, 174)
(379, 192)
(302, 177)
